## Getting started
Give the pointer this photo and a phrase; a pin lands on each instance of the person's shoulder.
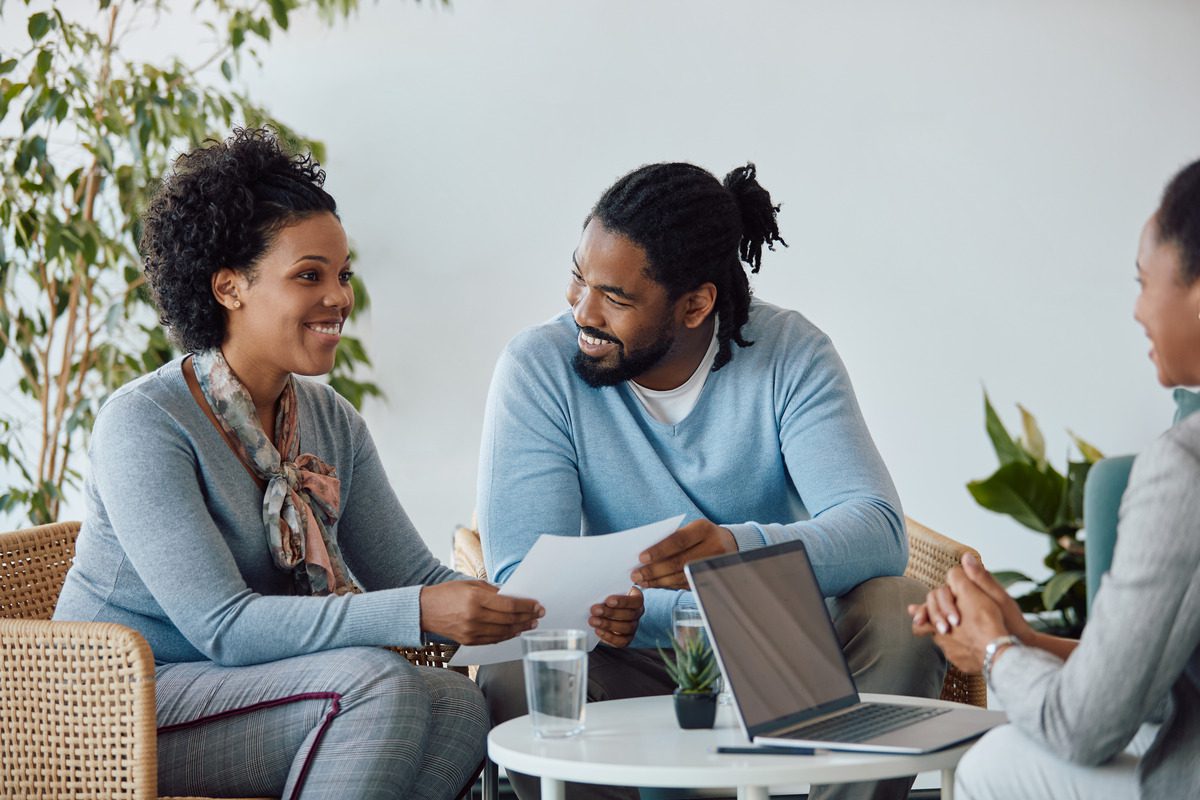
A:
(541, 354)
(769, 319)
(1177, 448)
(779, 332)
(1163, 483)
(164, 389)
(148, 408)
(553, 339)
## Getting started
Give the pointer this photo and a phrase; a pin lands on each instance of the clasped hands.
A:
(969, 611)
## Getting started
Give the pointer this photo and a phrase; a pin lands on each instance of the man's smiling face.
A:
(625, 318)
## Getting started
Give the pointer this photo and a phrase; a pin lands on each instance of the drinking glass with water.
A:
(687, 624)
(555, 680)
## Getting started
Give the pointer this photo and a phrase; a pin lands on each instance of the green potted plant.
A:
(694, 669)
(88, 127)
(1031, 491)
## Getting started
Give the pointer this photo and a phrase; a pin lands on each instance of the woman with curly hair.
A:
(240, 519)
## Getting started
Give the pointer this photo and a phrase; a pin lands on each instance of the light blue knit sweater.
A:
(173, 542)
(775, 449)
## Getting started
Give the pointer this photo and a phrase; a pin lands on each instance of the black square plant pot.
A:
(695, 710)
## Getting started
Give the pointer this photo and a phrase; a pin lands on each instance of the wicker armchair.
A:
(930, 556)
(77, 714)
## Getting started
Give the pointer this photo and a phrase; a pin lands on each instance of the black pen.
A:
(767, 750)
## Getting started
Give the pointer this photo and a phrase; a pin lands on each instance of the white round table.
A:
(638, 743)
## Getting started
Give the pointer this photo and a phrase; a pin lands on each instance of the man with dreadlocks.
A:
(634, 405)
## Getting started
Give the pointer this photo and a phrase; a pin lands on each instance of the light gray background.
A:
(962, 187)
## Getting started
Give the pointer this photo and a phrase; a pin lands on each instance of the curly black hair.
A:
(696, 229)
(222, 205)
(1178, 219)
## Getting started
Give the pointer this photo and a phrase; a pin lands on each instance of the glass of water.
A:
(555, 680)
(686, 624)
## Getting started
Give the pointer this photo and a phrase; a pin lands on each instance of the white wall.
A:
(962, 189)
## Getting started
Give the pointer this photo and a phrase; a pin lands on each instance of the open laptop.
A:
(776, 645)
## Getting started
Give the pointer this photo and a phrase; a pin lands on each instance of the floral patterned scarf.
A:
(300, 505)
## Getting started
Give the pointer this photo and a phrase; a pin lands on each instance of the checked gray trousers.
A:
(358, 723)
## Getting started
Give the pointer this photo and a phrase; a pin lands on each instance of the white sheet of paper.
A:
(568, 575)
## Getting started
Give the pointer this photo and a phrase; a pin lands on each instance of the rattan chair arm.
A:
(76, 710)
(931, 555)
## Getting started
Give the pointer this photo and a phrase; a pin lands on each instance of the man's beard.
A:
(628, 366)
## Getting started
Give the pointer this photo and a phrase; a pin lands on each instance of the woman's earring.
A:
(237, 303)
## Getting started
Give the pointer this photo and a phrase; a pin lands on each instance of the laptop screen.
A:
(772, 632)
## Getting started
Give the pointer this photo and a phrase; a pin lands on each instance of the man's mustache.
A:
(595, 334)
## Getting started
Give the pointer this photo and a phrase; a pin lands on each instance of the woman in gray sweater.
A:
(1116, 714)
(240, 518)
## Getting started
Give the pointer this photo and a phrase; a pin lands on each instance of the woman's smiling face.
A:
(1168, 309)
(287, 316)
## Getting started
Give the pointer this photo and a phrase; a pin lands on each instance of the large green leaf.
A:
(1007, 578)
(1030, 496)
(1006, 449)
(1058, 586)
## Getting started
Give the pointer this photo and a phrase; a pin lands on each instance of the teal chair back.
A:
(1102, 494)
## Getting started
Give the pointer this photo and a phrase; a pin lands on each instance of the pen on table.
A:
(767, 751)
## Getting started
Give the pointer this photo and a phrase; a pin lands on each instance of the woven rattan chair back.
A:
(33, 565)
(930, 557)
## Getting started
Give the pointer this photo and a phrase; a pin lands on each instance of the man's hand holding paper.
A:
(566, 575)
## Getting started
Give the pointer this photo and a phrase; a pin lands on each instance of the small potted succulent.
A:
(695, 672)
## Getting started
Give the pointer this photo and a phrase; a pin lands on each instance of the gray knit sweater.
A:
(173, 543)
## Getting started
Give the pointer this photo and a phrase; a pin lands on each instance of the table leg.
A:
(948, 784)
(753, 793)
(553, 790)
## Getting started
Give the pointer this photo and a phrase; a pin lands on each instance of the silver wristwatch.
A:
(989, 653)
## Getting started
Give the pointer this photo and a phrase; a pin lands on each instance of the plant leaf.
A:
(279, 12)
(39, 25)
(1006, 449)
(1089, 451)
(1007, 578)
(1034, 442)
(1028, 495)
(1058, 586)
(1071, 515)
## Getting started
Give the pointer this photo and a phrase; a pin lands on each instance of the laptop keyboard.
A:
(862, 723)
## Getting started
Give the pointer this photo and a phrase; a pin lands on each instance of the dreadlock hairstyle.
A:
(696, 230)
(1179, 220)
